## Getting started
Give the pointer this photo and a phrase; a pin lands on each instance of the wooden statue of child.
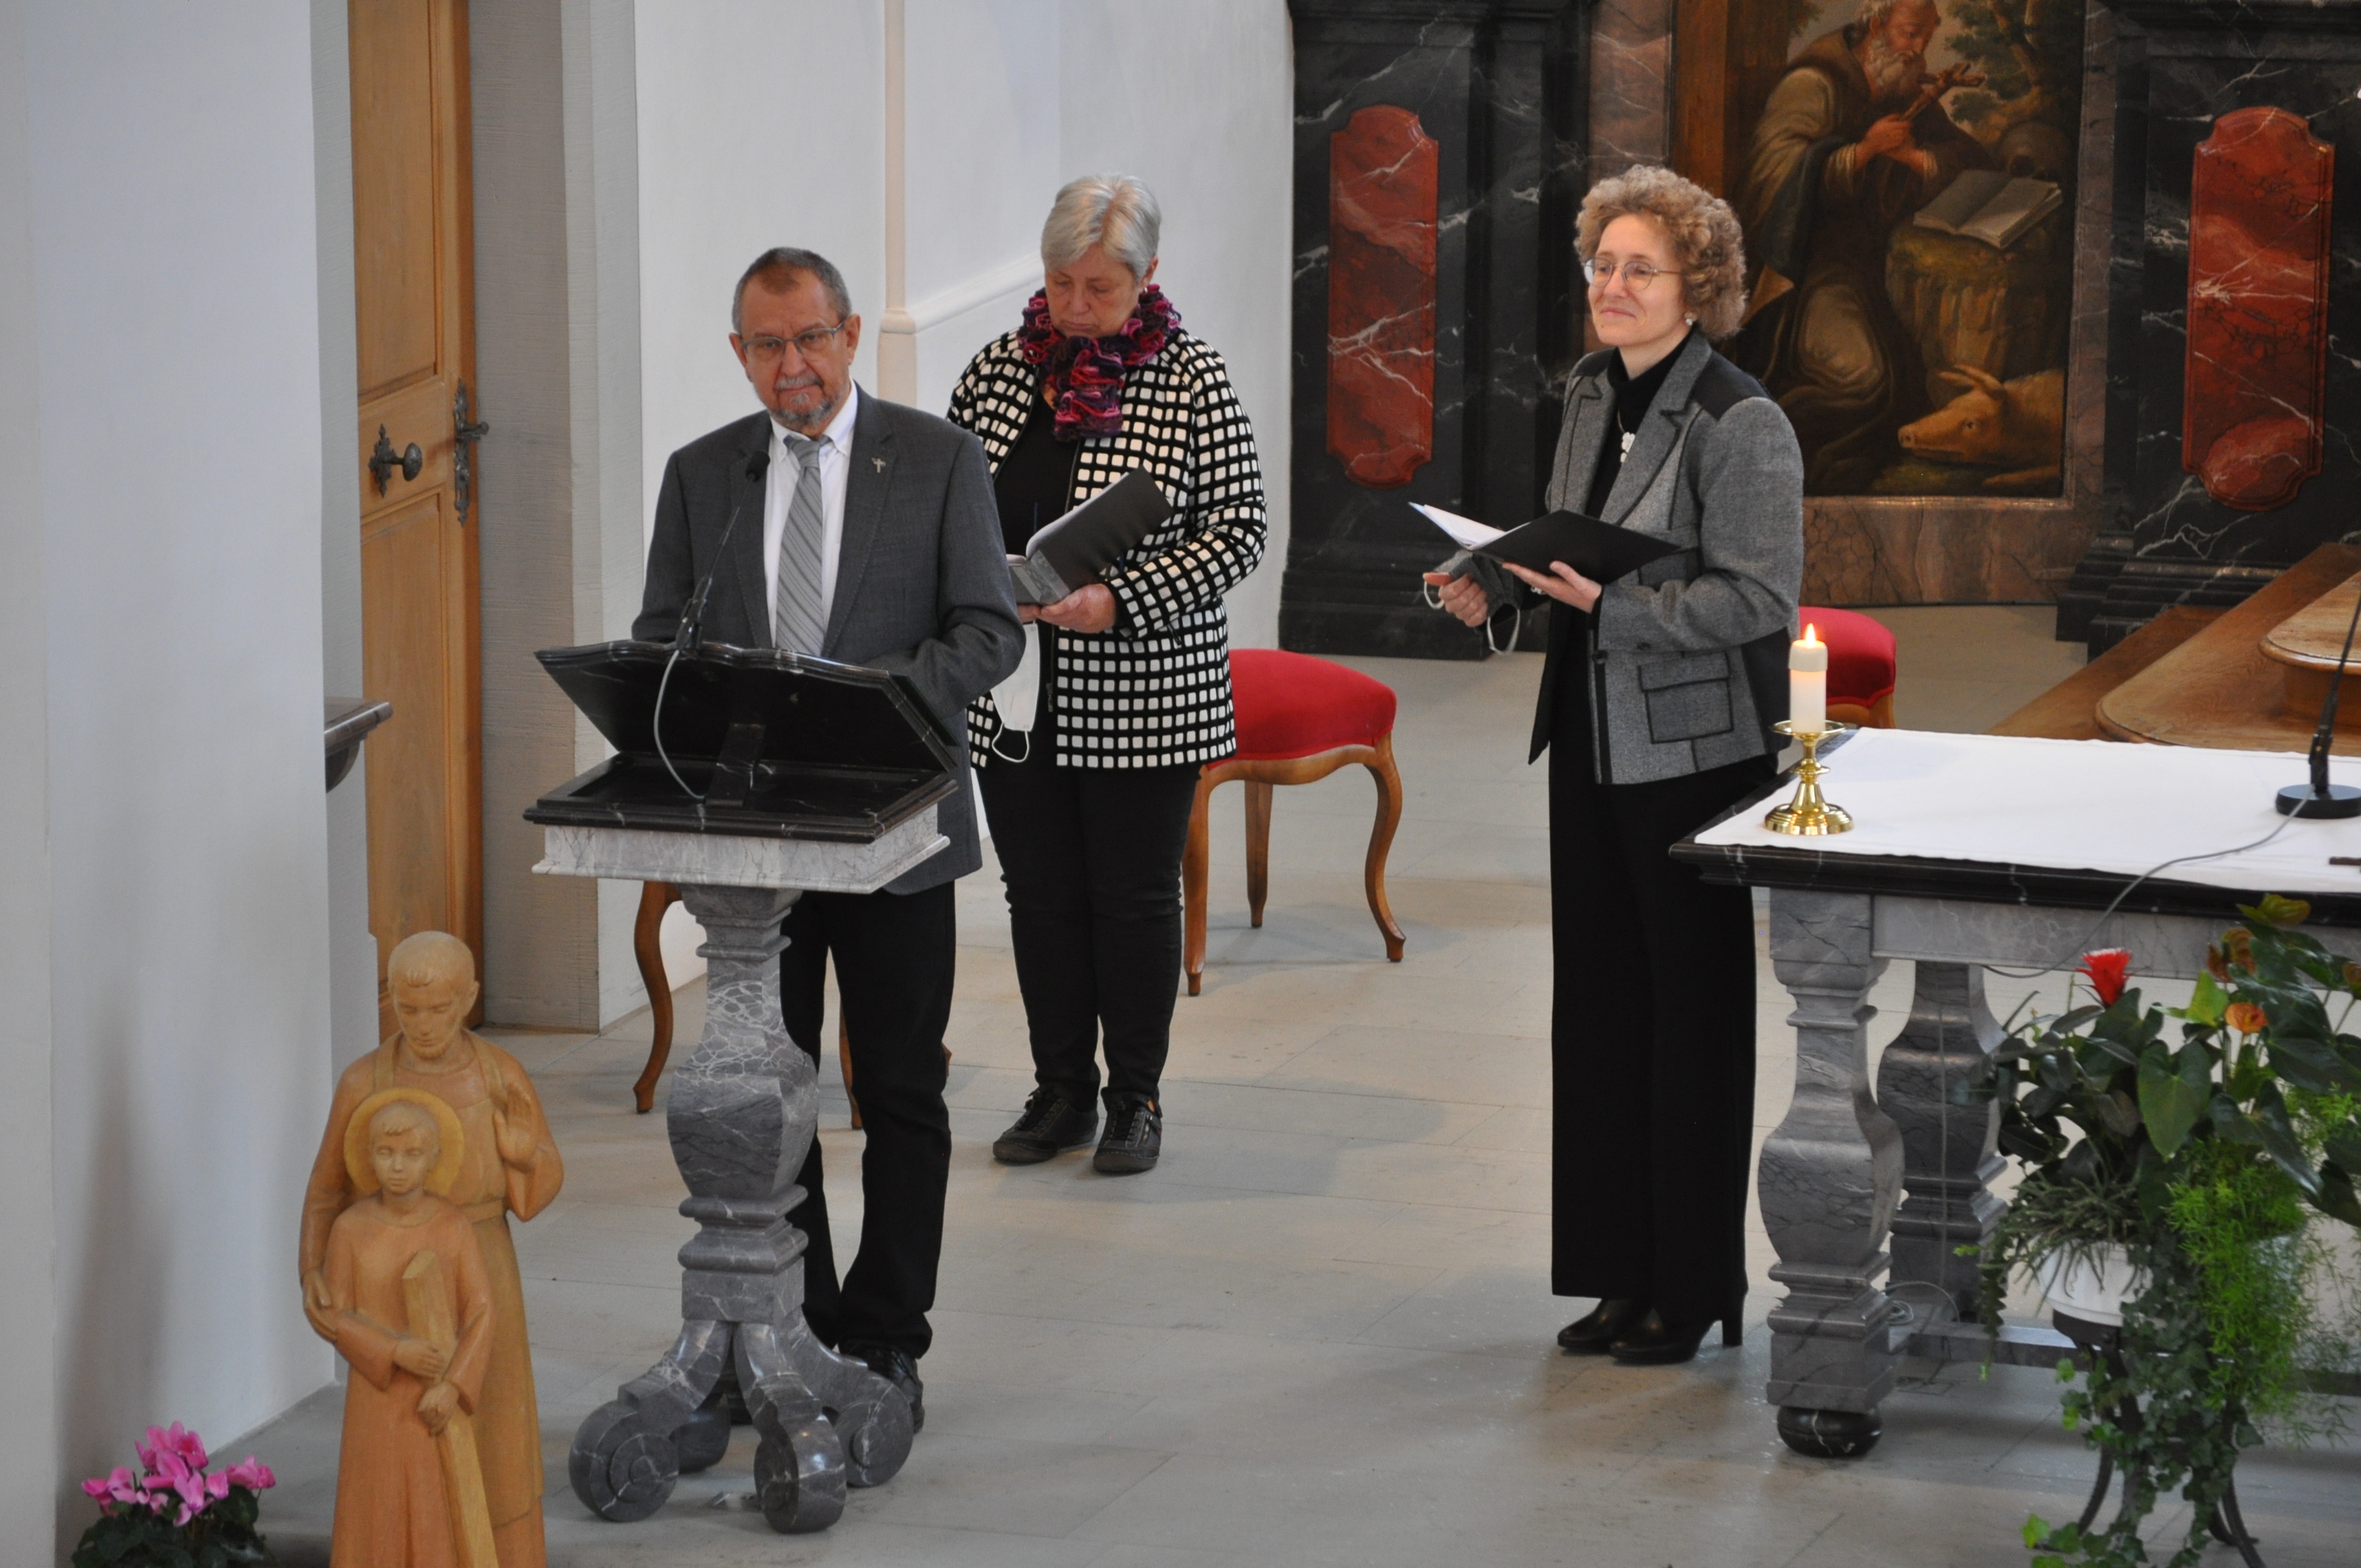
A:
(410, 1310)
(510, 1165)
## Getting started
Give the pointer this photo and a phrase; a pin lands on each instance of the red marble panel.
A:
(1382, 170)
(2258, 209)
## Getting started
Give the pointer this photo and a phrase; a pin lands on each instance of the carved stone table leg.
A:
(1949, 1151)
(1830, 1178)
(744, 1110)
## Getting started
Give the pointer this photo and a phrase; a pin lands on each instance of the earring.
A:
(1692, 321)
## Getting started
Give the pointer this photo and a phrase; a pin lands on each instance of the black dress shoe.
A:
(1049, 1126)
(1592, 1332)
(897, 1367)
(1135, 1137)
(1653, 1342)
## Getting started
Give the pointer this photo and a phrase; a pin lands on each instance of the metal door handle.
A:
(382, 462)
(464, 436)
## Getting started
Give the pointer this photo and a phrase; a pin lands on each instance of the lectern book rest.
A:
(777, 745)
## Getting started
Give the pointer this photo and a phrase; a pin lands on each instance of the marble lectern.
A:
(779, 774)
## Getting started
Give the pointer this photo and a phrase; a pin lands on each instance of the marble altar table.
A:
(780, 774)
(1971, 852)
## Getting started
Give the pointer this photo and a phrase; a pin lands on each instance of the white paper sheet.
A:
(1465, 531)
(2100, 806)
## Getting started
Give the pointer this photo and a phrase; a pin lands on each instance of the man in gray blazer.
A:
(864, 532)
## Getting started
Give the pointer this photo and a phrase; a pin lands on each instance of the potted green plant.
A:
(173, 1512)
(2172, 1185)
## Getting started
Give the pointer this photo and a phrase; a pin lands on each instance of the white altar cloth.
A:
(2096, 805)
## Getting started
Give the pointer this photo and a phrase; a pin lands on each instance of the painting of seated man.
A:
(1908, 196)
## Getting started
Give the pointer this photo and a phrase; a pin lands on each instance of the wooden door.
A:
(413, 270)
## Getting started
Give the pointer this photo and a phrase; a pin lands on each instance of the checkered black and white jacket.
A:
(1154, 689)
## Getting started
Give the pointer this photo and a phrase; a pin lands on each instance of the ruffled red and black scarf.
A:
(1085, 374)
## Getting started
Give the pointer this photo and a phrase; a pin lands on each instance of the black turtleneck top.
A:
(1634, 395)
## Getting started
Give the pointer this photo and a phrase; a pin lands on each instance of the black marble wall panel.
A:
(2182, 64)
(1499, 84)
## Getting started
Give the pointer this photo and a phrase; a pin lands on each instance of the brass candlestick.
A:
(1809, 814)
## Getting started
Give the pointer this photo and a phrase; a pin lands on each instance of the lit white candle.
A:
(1808, 684)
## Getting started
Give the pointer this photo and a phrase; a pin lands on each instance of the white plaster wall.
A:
(177, 368)
(352, 946)
(29, 1467)
(1196, 99)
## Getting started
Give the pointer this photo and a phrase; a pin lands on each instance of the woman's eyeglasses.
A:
(1637, 275)
(768, 349)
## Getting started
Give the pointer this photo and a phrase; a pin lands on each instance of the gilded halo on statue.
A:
(446, 1123)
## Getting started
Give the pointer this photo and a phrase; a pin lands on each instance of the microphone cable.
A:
(692, 620)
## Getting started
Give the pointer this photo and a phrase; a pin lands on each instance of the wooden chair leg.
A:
(1880, 712)
(1192, 885)
(1381, 839)
(1258, 796)
(647, 946)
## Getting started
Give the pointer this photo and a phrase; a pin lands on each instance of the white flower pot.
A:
(2091, 1286)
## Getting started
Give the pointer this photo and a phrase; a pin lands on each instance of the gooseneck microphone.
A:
(2319, 797)
(691, 630)
(690, 633)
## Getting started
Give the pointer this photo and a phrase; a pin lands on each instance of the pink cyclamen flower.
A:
(253, 1475)
(191, 1489)
(120, 1485)
(178, 1439)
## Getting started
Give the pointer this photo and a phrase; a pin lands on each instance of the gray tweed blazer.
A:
(1688, 657)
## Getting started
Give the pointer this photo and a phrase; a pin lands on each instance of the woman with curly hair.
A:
(1655, 706)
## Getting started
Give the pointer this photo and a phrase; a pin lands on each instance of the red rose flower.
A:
(2108, 970)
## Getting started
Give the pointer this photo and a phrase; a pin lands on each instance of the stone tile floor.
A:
(1320, 1332)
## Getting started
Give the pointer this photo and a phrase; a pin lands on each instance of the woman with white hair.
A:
(1088, 756)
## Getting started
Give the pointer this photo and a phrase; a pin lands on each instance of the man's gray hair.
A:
(1115, 211)
(778, 268)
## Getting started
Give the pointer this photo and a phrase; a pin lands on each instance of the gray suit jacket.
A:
(922, 583)
(1687, 656)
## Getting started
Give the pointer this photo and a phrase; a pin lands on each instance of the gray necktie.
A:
(797, 624)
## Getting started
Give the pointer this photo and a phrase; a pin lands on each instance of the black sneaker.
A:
(1135, 1137)
(897, 1367)
(1049, 1126)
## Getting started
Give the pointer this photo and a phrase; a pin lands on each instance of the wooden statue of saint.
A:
(510, 1164)
(410, 1308)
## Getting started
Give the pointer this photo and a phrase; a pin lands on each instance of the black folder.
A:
(1600, 551)
(1078, 547)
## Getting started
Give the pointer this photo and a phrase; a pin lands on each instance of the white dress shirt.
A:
(779, 493)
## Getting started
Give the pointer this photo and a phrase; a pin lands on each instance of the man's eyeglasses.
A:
(1637, 275)
(767, 350)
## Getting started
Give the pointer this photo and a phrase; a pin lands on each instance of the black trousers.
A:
(1090, 858)
(894, 954)
(1651, 1036)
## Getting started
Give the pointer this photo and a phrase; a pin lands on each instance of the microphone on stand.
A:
(2319, 797)
(689, 634)
(691, 630)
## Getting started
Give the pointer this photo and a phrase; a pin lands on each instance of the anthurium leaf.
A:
(2207, 1003)
(2170, 1105)
(2313, 1064)
(2278, 1141)
(2344, 1147)
(2336, 1196)
(2233, 1124)
(2274, 910)
(2120, 1116)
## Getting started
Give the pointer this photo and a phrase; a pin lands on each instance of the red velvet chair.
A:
(1861, 666)
(1299, 719)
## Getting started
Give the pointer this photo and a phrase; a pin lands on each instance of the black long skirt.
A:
(1651, 1036)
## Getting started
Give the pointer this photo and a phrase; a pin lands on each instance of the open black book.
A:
(1600, 551)
(1074, 551)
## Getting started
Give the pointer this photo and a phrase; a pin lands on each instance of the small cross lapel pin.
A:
(878, 463)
